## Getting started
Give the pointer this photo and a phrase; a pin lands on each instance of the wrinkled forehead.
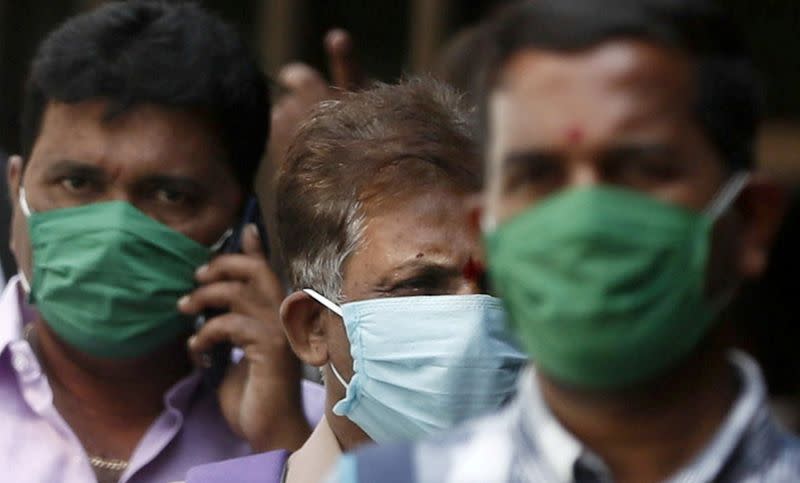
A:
(542, 97)
(432, 222)
(141, 137)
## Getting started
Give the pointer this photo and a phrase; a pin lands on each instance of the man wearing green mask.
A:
(620, 217)
(144, 125)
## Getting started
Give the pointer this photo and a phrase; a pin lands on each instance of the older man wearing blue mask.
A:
(372, 219)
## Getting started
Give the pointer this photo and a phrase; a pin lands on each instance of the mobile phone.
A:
(219, 357)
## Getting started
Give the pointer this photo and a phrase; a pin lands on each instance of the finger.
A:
(251, 241)
(345, 71)
(235, 328)
(218, 295)
(304, 82)
(196, 357)
(235, 266)
(268, 282)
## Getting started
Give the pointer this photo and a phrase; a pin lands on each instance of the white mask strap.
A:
(23, 280)
(23, 203)
(338, 376)
(216, 246)
(336, 310)
(728, 194)
(324, 301)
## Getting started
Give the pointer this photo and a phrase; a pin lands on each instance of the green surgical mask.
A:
(606, 287)
(107, 277)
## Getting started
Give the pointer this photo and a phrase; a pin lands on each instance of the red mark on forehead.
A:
(575, 135)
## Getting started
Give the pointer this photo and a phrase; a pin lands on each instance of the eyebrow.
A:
(183, 183)
(79, 168)
(71, 167)
(517, 158)
(656, 148)
(419, 267)
(642, 148)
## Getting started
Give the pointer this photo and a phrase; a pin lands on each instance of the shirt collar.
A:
(15, 312)
(562, 451)
(558, 447)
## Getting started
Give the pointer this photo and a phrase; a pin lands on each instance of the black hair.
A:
(728, 99)
(165, 53)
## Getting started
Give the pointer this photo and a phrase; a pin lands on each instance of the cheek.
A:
(339, 347)
(512, 204)
(208, 225)
(725, 257)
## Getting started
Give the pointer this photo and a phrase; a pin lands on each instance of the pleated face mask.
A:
(423, 364)
(606, 287)
(107, 277)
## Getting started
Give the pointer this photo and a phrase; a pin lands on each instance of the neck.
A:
(114, 394)
(641, 433)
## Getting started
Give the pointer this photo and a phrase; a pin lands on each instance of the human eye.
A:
(532, 171)
(644, 167)
(428, 281)
(171, 196)
(76, 184)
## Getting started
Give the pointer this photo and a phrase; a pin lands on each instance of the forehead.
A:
(431, 223)
(142, 136)
(616, 85)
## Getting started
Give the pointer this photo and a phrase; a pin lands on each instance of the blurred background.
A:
(395, 37)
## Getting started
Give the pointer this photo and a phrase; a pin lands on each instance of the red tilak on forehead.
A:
(575, 134)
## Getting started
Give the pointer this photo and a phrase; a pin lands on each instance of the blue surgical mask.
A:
(423, 364)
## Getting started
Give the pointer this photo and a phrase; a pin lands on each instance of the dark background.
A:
(396, 37)
(392, 37)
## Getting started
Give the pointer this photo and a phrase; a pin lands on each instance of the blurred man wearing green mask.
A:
(620, 217)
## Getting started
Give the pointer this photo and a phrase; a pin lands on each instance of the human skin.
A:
(621, 113)
(413, 245)
(171, 165)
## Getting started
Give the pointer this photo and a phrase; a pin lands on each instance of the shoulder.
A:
(785, 465)
(264, 468)
(481, 447)
(771, 455)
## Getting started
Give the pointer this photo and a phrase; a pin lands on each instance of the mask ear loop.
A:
(336, 310)
(23, 203)
(216, 246)
(324, 301)
(721, 203)
(26, 210)
(728, 194)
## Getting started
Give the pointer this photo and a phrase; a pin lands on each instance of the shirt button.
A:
(21, 363)
(25, 365)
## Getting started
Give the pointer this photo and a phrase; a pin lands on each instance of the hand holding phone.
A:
(262, 391)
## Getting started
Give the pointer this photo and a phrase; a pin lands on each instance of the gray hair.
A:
(336, 168)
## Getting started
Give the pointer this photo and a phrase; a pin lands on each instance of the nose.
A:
(118, 193)
(583, 175)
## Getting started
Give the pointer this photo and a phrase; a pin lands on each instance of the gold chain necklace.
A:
(108, 464)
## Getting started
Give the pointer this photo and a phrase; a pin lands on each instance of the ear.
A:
(301, 317)
(14, 169)
(14, 177)
(762, 206)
